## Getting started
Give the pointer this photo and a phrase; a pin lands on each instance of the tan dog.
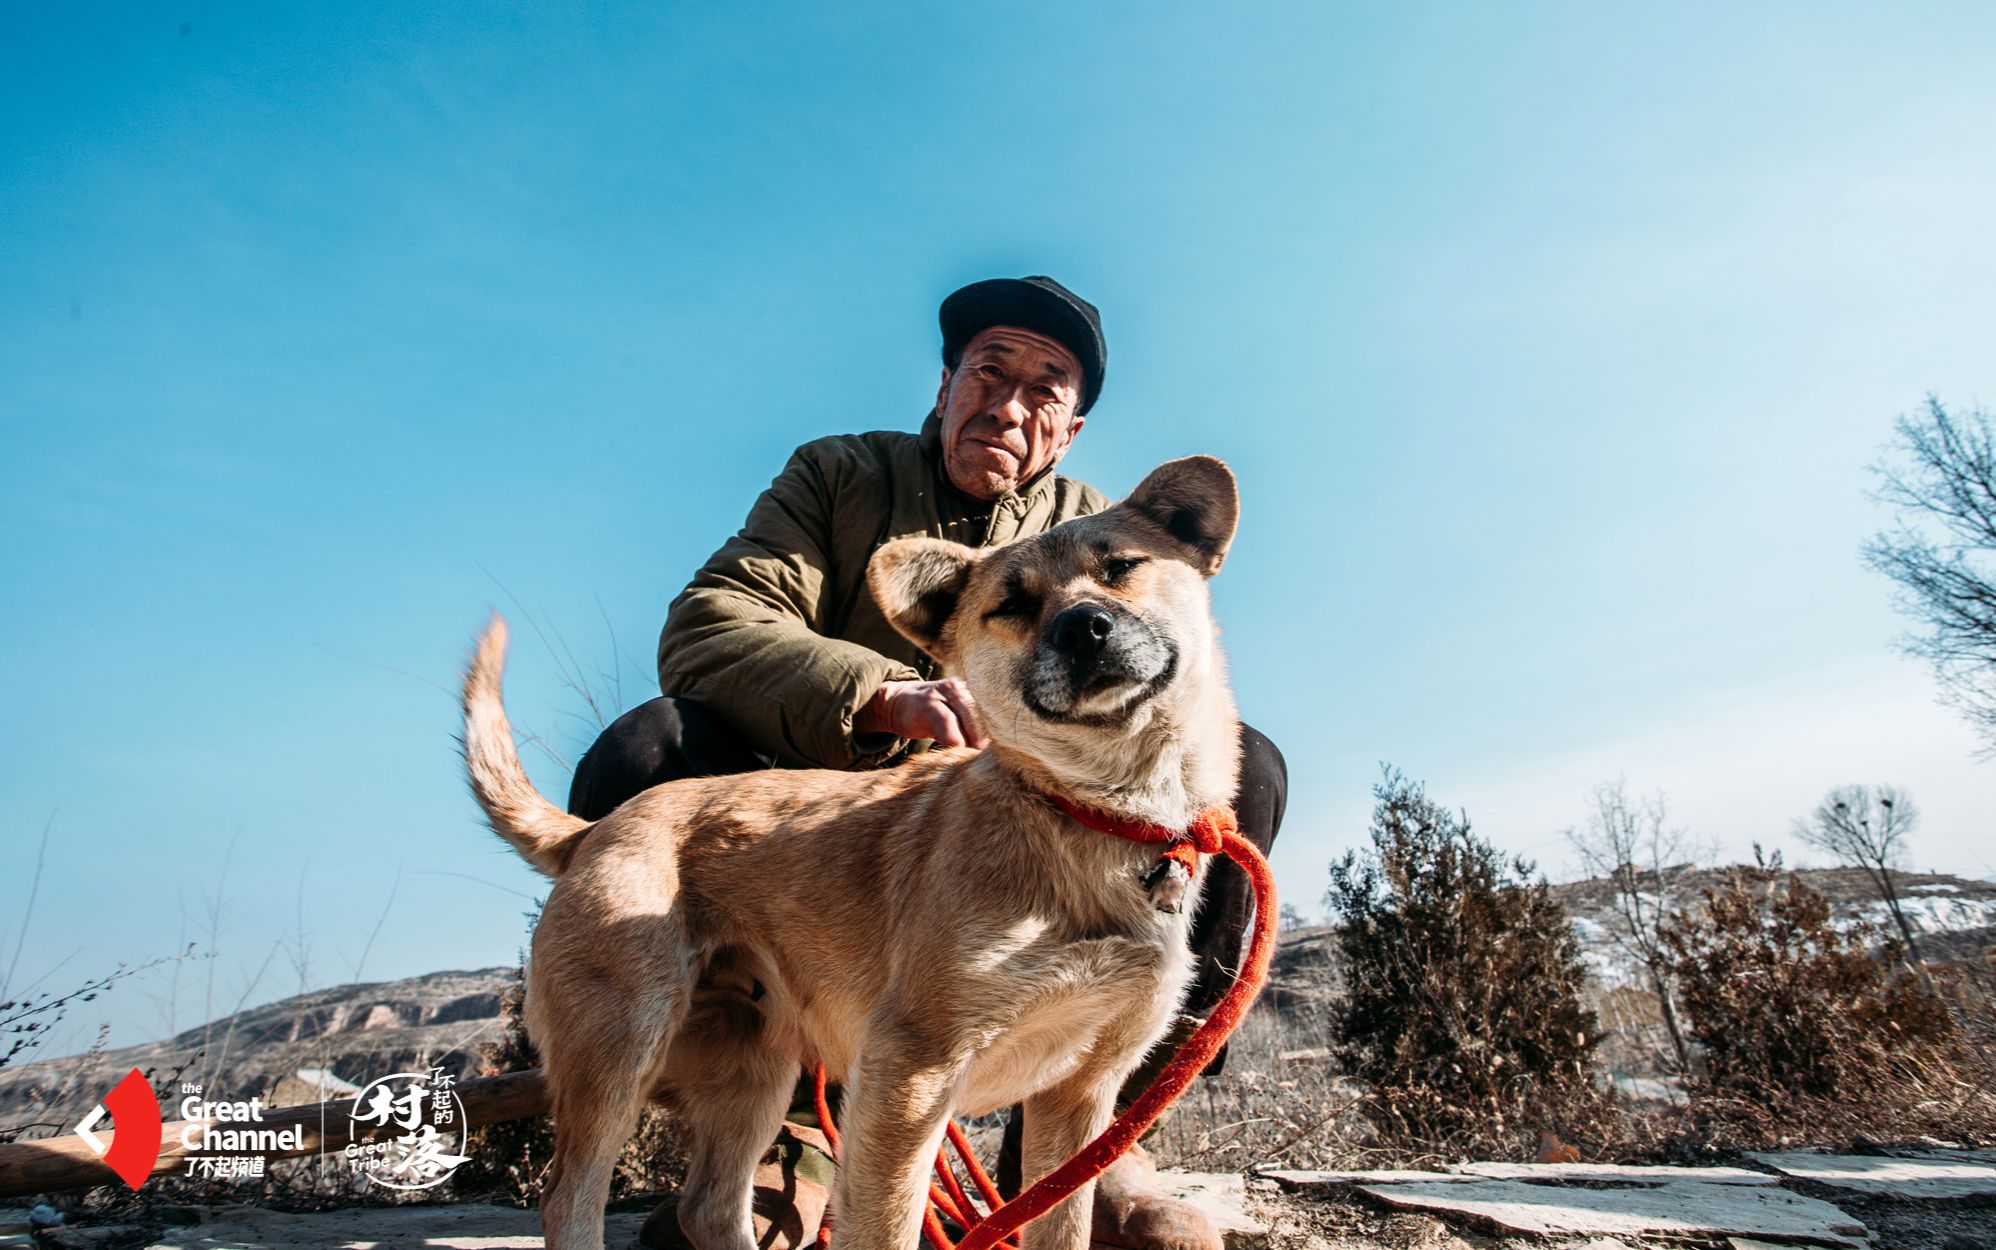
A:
(937, 935)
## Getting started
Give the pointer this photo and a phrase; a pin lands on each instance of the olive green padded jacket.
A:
(778, 634)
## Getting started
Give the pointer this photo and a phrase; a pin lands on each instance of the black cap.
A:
(1036, 303)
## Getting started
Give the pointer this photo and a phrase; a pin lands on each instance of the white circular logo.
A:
(406, 1127)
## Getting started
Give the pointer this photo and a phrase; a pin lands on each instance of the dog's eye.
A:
(1018, 605)
(1117, 568)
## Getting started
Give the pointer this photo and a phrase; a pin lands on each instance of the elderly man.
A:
(776, 655)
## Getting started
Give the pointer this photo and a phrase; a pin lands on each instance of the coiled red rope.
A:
(1214, 832)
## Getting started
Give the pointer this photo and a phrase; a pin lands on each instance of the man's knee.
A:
(631, 749)
(1262, 765)
(1264, 787)
(665, 739)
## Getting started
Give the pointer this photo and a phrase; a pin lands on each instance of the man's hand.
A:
(941, 711)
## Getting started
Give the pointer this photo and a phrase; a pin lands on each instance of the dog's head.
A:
(1088, 634)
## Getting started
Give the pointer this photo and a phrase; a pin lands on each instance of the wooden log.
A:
(67, 1162)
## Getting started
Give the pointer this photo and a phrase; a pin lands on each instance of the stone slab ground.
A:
(1676, 1209)
(1921, 1200)
(1941, 1175)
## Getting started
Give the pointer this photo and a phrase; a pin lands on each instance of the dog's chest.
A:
(1099, 1002)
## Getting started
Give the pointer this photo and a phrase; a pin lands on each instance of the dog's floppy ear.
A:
(1195, 501)
(916, 582)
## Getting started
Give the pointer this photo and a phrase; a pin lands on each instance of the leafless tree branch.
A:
(1941, 552)
(1867, 828)
(1629, 842)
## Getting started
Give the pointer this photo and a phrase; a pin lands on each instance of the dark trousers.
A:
(669, 739)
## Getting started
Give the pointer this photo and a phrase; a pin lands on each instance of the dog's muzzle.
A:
(1096, 663)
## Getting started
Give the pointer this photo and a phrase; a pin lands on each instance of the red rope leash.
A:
(1215, 831)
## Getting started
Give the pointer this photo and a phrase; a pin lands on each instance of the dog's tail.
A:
(541, 832)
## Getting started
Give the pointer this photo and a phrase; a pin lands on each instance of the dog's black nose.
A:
(1081, 631)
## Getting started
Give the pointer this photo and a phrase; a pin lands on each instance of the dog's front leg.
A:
(895, 1112)
(1059, 1122)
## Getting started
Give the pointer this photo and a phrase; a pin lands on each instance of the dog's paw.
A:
(1166, 882)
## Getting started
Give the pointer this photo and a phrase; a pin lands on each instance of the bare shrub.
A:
(1806, 1033)
(508, 1158)
(1463, 1012)
(1629, 843)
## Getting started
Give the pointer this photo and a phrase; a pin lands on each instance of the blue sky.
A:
(1550, 344)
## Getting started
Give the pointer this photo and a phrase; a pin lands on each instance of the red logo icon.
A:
(135, 1136)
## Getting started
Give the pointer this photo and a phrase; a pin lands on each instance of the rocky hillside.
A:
(315, 1046)
(309, 1048)
(1954, 917)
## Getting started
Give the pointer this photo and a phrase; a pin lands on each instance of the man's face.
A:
(1007, 410)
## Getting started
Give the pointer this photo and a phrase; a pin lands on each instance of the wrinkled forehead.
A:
(1016, 342)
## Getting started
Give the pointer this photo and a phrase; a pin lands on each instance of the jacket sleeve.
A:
(744, 637)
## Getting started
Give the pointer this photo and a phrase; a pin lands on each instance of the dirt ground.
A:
(1257, 1213)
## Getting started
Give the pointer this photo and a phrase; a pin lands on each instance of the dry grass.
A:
(1277, 1104)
